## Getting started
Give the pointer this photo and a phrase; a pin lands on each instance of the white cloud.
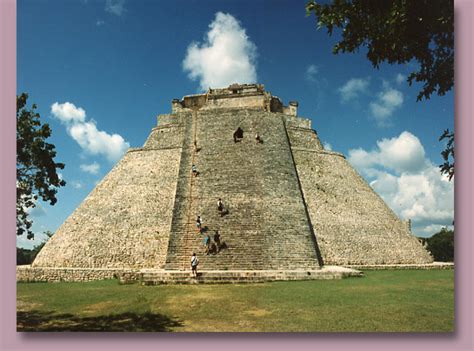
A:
(76, 184)
(68, 112)
(226, 56)
(327, 146)
(86, 134)
(353, 89)
(410, 184)
(387, 102)
(97, 142)
(92, 168)
(400, 78)
(99, 23)
(116, 7)
(311, 73)
(400, 154)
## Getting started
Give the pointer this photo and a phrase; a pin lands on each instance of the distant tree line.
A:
(441, 245)
(27, 256)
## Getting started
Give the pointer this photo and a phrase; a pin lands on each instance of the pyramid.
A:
(289, 203)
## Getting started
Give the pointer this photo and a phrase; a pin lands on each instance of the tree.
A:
(441, 245)
(27, 256)
(399, 31)
(35, 165)
(448, 154)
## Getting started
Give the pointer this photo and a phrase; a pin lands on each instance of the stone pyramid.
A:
(289, 203)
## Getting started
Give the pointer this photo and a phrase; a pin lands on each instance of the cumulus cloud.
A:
(98, 142)
(404, 153)
(226, 56)
(410, 184)
(86, 134)
(311, 73)
(115, 7)
(386, 103)
(99, 23)
(400, 78)
(92, 168)
(68, 112)
(353, 89)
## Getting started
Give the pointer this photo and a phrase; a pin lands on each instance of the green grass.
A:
(382, 301)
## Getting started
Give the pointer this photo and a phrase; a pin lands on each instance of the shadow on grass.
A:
(132, 322)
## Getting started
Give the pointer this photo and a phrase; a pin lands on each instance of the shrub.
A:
(441, 245)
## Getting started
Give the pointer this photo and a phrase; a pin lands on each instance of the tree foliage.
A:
(35, 165)
(441, 245)
(448, 154)
(397, 31)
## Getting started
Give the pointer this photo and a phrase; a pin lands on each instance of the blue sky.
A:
(101, 70)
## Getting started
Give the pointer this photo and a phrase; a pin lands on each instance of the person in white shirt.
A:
(194, 264)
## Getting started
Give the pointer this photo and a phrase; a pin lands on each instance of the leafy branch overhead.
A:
(448, 154)
(397, 31)
(35, 166)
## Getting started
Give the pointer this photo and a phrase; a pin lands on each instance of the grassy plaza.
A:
(381, 301)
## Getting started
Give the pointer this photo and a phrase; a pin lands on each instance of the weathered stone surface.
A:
(352, 223)
(157, 276)
(125, 221)
(290, 204)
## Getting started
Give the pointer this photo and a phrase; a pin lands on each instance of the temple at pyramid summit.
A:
(290, 207)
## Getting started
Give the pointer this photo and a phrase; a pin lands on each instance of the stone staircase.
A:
(266, 226)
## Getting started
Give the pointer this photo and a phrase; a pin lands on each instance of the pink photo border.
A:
(461, 339)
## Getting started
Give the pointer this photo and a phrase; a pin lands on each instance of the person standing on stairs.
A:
(217, 240)
(194, 264)
(220, 206)
(199, 223)
(194, 170)
(207, 243)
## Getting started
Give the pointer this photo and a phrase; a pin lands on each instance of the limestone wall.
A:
(167, 134)
(124, 221)
(303, 137)
(255, 101)
(48, 274)
(353, 224)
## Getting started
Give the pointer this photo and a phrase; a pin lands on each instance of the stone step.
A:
(155, 277)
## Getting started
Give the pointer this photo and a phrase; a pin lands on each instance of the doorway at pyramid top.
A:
(252, 96)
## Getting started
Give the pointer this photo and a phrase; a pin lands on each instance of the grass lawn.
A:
(382, 301)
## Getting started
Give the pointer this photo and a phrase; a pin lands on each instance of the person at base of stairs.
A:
(194, 264)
